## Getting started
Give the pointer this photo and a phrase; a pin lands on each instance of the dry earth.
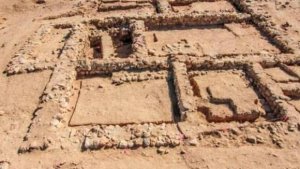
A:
(150, 84)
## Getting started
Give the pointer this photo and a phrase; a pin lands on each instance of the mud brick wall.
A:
(262, 21)
(55, 102)
(86, 67)
(173, 19)
(186, 2)
(107, 6)
(25, 60)
(139, 46)
(183, 89)
(163, 6)
(272, 93)
(123, 77)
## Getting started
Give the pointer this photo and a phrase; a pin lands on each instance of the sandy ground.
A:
(19, 98)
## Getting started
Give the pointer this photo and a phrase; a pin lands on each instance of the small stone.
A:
(4, 165)
(123, 144)
(259, 130)
(134, 78)
(152, 142)
(103, 141)
(251, 139)
(159, 143)
(260, 140)
(137, 133)
(130, 144)
(272, 129)
(55, 122)
(193, 142)
(235, 131)
(162, 150)
(91, 144)
(87, 143)
(138, 142)
(124, 79)
(175, 142)
(277, 141)
(22, 60)
(64, 104)
(146, 134)
(139, 78)
(151, 52)
(2, 112)
(40, 1)
(146, 142)
(23, 148)
(292, 127)
(110, 144)
(34, 144)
